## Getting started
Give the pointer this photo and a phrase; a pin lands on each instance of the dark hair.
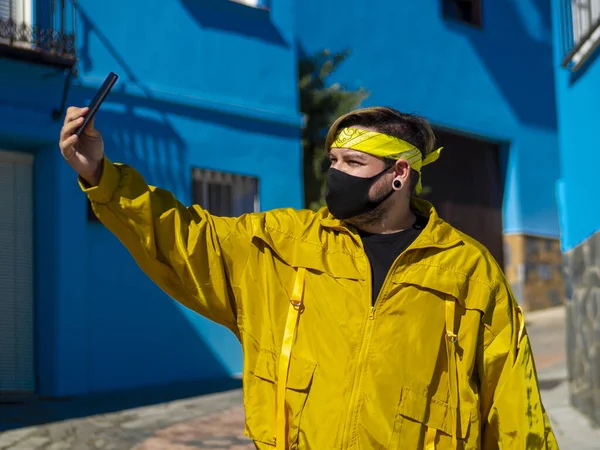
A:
(411, 128)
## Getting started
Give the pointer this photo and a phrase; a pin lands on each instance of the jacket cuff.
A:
(109, 182)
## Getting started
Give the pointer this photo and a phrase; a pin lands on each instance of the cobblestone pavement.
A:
(214, 431)
(217, 421)
(206, 422)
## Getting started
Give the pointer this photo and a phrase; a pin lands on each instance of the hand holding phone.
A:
(85, 153)
(96, 102)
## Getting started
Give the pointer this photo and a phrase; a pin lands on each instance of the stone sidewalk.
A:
(206, 422)
(217, 421)
(547, 333)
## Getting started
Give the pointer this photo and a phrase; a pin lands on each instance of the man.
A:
(370, 324)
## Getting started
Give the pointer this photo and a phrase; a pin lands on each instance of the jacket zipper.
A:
(347, 434)
(354, 395)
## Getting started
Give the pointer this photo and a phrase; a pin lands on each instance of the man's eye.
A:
(354, 163)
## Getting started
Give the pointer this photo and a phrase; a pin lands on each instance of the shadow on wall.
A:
(149, 144)
(231, 120)
(235, 18)
(512, 55)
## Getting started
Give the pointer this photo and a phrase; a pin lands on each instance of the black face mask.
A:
(348, 196)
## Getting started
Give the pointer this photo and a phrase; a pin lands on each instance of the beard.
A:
(373, 217)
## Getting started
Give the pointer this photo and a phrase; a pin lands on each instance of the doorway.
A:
(466, 187)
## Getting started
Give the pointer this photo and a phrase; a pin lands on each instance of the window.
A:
(585, 16)
(221, 194)
(15, 22)
(580, 30)
(467, 11)
(224, 194)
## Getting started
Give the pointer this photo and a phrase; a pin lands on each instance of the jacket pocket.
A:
(421, 417)
(261, 391)
(469, 293)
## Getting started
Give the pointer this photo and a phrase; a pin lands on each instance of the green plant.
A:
(321, 103)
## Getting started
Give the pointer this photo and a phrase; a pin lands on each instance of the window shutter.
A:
(224, 194)
(17, 374)
(5, 9)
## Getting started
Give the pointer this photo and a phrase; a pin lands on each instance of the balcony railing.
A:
(579, 31)
(49, 40)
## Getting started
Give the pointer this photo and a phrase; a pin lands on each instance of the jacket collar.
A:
(437, 233)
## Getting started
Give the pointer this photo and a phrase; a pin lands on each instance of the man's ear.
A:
(402, 169)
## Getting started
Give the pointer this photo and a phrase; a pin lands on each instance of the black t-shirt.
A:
(383, 249)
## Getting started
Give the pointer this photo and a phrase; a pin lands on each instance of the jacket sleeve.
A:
(188, 253)
(512, 411)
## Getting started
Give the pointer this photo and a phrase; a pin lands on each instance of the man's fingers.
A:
(74, 113)
(70, 128)
(67, 146)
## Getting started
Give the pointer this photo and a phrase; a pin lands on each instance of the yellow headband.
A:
(385, 146)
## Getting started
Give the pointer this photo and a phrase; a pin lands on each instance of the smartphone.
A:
(94, 105)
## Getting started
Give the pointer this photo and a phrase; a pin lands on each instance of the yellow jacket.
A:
(443, 353)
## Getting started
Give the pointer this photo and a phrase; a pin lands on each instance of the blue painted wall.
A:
(578, 95)
(207, 84)
(495, 82)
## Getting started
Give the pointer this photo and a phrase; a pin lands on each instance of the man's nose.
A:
(339, 165)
